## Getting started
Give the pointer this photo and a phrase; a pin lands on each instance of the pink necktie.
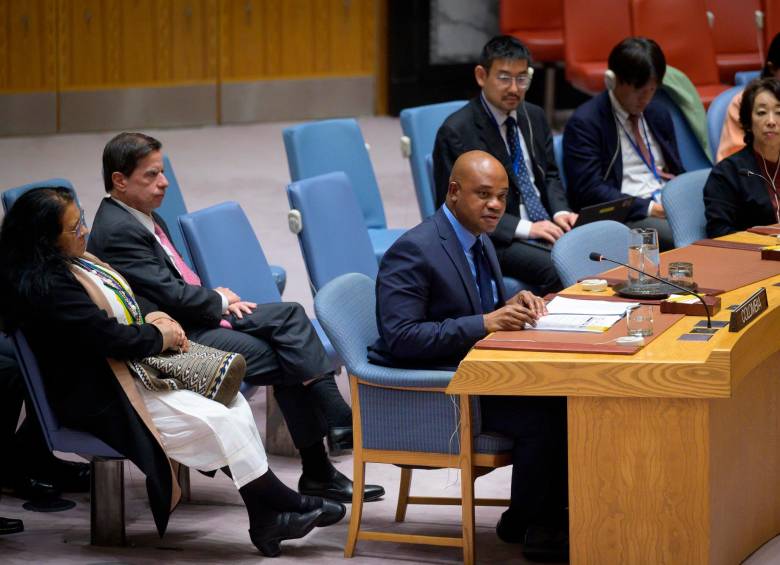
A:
(187, 274)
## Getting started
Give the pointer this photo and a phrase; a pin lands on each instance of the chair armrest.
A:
(407, 378)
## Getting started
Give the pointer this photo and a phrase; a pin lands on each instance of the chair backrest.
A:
(334, 239)
(681, 29)
(735, 34)
(743, 77)
(327, 146)
(570, 254)
(716, 115)
(558, 150)
(537, 24)
(225, 252)
(420, 125)
(12, 194)
(683, 200)
(586, 52)
(692, 155)
(346, 308)
(172, 207)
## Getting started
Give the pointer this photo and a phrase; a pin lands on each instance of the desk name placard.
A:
(749, 310)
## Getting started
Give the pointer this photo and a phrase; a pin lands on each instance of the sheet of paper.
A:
(563, 305)
(574, 323)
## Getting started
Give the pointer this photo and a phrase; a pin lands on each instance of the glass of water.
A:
(643, 255)
(639, 320)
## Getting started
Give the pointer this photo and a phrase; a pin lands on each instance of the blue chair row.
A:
(327, 146)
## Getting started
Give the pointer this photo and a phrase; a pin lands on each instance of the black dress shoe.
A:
(288, 525)
(32, 489)
(339, 439)
(332, 512)
(546, 544)
(509, 529)
(69, 476)
(336, 487)
(10, 526)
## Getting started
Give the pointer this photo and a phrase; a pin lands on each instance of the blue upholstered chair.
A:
(173, 206)
(558, 150)
(12, 194)
(716, 116)
(403, 417)
(570, 253)
(420, 125)
(107, 525)
(691, 153)
(743, 77)
(683, 200)
(225, 252)
(327, 146)
(330, 228)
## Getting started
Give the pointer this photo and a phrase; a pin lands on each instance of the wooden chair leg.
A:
(359, 474)
(107, 502)
(403, 494)
(466, 480)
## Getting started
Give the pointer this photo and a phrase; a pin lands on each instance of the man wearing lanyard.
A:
(621, 142)
(516, 133)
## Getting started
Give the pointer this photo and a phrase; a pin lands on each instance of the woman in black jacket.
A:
(81, 349)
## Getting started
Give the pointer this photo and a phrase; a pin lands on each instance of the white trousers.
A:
(206, 435)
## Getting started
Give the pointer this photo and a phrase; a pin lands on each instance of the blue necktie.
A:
(533, 205)
(484, 278)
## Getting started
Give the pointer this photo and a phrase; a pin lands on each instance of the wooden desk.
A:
(674, 452)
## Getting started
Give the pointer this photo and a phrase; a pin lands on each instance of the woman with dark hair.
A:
(82, 321)
(741, 191)
(731, 136)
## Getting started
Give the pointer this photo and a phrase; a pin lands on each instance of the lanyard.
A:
(516, 158)
(651, 164)
(132, 311)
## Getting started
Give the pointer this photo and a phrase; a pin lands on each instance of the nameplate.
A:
(748, 310)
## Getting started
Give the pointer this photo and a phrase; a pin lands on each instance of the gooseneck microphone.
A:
(599, 257)
(770, 183)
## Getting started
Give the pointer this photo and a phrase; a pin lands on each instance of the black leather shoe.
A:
(69, 476)
(332, 512)
(288, 525)
(510, 530)
(10, 526)
(337, 487)
(32, 489)
(546, 544)
(340, 439)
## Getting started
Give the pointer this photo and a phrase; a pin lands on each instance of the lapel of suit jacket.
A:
(489, 134)
(609, 121)
(452, 247)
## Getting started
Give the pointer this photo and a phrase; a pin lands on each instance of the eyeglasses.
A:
(81, 226)
(523, 81)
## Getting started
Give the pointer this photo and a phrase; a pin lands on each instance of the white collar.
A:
(145, 220)
(499, 115)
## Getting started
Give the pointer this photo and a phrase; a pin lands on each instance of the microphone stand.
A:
(599, 257)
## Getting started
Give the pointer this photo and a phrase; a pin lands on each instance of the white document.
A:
(572, 315)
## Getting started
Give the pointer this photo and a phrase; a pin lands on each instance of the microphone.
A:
(599, 257)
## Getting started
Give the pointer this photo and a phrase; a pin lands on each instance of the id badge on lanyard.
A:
(651, 165)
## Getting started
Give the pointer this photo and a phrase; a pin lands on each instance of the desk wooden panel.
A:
(674, 452)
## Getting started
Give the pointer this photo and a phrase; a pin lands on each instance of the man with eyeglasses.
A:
(515, 132)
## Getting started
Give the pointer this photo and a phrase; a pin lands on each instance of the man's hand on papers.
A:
(530, 301)
(510, 317)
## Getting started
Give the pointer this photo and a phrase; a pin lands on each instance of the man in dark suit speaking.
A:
(439, 290)
(501, 123)
(278, 341)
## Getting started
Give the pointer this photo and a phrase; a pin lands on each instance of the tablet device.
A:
(616, 210)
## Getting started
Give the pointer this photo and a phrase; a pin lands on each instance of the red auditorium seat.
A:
(771, 9)
(736, 36)
(590, 31)
(680, 27)
(540, 26)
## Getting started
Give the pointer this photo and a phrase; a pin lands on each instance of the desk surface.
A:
(666, 368)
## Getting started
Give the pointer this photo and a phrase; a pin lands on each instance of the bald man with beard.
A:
(440, 290)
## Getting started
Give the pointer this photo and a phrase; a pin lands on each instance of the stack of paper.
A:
(572, 315)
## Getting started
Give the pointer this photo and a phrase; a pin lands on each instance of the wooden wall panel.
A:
(27, 45)
(194, 40)
(297, 57)
(243, 37)
(139, 42)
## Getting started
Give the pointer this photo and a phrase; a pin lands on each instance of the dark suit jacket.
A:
(71, 338)
(593, 162)
(427, 305)
(120, 240)
(472, 128)
(733, 202)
